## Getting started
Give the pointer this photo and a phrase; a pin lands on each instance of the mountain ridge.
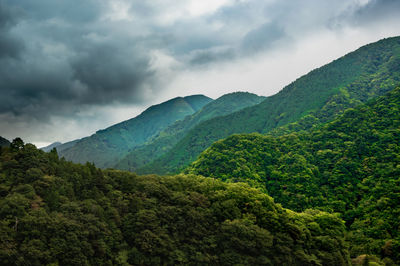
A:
(107, 145)
(165, 139)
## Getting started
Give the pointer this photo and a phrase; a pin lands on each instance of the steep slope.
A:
(350, 165)
(317, 97)
(4, 142)
(167, 138)
(109, 145)
(53, 212)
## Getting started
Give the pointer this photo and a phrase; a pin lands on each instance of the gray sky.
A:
(69, 67)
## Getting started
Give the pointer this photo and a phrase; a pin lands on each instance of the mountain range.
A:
(315, 98)
(107, 146)
(168, 137)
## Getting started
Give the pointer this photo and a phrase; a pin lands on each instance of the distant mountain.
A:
(350, 166)
(51, 146)
(167, 138)
(4, 142)
(66, 145)
(315, 98)
(108, 146)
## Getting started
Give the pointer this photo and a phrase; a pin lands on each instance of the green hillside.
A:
(54, 212)
(315, 98)
(108, 146)
(167, 138)
(350, 165)
(4, 142)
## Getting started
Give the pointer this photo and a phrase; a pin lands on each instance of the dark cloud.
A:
(71, 11)
(56, 56)
(10, 46)
(262, 37)
(377, 10)
(204, 57)
(111, 72)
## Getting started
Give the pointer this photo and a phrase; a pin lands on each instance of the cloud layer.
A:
(96, 62)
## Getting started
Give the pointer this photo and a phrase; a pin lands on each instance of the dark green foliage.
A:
(108, 146)
(350, 165)
(315, 98)
(167, 138)
(4, 142)
(59, 213)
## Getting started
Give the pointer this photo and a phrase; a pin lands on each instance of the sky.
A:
(69, 67)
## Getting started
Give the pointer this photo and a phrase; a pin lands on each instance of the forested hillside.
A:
(54, 212)
(108, 146)
(167, 138)
(350, 165)
(315, 98)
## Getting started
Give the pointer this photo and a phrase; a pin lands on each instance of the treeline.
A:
(350, 166)
(54, 212)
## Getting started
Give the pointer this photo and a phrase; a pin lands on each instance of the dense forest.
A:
(54, 212)
(349, 166)
(315, 98)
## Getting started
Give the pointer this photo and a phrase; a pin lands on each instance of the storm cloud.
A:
(96, 62)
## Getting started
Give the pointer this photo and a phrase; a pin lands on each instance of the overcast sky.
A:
(71, 67)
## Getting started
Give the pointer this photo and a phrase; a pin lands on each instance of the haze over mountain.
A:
(107, 146)
(51, 146)
(316, 97)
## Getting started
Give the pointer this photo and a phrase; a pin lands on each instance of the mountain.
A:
(350, 165)
(167, 138)
(315, 98)
(54, 212)
(51, 146)
(4, 142)
(108, 146)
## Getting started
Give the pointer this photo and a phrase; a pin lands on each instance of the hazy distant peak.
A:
(51, 146)
(4, 142)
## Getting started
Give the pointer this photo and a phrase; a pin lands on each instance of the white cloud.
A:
(268, 72)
